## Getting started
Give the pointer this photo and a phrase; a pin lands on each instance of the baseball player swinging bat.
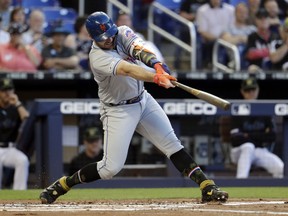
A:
(212, 99)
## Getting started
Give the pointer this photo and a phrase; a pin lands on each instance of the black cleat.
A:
(51, 193)
(211, 192)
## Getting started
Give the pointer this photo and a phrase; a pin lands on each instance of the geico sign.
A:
(281, 109)
(79, 107)
(189, 108)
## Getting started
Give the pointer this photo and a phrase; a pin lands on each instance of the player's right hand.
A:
(164, 80)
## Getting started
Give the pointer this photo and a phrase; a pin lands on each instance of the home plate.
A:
(135, 207)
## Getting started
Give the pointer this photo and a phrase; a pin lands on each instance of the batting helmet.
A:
(100, 26)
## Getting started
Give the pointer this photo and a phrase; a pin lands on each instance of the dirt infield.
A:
(146, 207)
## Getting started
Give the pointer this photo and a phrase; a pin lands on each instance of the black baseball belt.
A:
(130, 101)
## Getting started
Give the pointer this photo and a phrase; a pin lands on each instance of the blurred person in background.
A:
(253, 6)
(12, 115)
(282, 5)
(188, 10)
(35, 34)
(257, 48)
(15, 56)
(5, 11)
(80, 42)
(57, 56)
(212, 20)
(18, 16)
(92, 152)
(279, 50)
(271, 6)
(238, 32)
(252, 138)
(4, 35)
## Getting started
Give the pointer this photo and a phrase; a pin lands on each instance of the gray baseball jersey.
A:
(112, 88)
(121, 121)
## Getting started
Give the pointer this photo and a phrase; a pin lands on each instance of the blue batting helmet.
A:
(100, 26)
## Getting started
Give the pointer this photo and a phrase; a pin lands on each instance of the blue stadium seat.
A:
(67, 25)
(39, 3)
(235, 2)
(164, 20)
(59, 13)
(171, 4)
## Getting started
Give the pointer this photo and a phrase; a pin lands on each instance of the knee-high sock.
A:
(187, 166)
(87, 174)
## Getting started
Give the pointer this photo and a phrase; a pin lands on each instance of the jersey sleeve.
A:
(103, 63)
(129, 39)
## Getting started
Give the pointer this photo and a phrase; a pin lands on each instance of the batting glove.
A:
(164, 80)
(160, 67)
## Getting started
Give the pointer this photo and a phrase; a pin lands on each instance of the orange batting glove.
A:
(164, 80)
(161, 68)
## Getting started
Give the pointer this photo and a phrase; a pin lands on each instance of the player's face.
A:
(5, 96)
(250, 94)
(93, 146)
(106, 44)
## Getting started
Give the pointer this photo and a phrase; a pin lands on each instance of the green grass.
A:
(143, 193)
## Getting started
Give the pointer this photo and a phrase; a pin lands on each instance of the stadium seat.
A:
(235, 2)
(39, 3)
(59, 13)
(165, 21)
(67, 16)
(67, 25)
(171, 4)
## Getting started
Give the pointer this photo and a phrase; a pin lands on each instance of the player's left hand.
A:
(162, 68)
(164, 80)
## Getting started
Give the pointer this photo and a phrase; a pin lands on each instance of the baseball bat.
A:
(210, 98)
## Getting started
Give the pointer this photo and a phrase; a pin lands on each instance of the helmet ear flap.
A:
(100, 26)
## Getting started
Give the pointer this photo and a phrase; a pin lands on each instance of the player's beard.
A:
(108, 45)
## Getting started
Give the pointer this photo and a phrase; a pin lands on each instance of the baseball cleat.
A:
(51, 193)
(212, 193)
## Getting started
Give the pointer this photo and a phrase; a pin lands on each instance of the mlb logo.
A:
(241, 109)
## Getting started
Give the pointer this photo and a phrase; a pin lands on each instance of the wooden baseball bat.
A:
(212, 99)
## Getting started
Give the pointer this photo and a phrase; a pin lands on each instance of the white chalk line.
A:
(139, 207)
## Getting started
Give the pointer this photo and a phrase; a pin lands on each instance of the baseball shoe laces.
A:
(51, 193)
(212, 193)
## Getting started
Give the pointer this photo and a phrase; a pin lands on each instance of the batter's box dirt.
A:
(146, 207)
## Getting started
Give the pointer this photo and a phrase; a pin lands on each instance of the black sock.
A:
(187, 166)
(87, 174)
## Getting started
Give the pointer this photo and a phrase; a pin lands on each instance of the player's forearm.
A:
(127, 69)
(22, 111)
(144, 55)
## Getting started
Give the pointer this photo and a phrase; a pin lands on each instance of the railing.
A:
(231, 49)
(191, 48)
(125, 8)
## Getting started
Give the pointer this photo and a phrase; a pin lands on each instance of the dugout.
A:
(50, 113)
